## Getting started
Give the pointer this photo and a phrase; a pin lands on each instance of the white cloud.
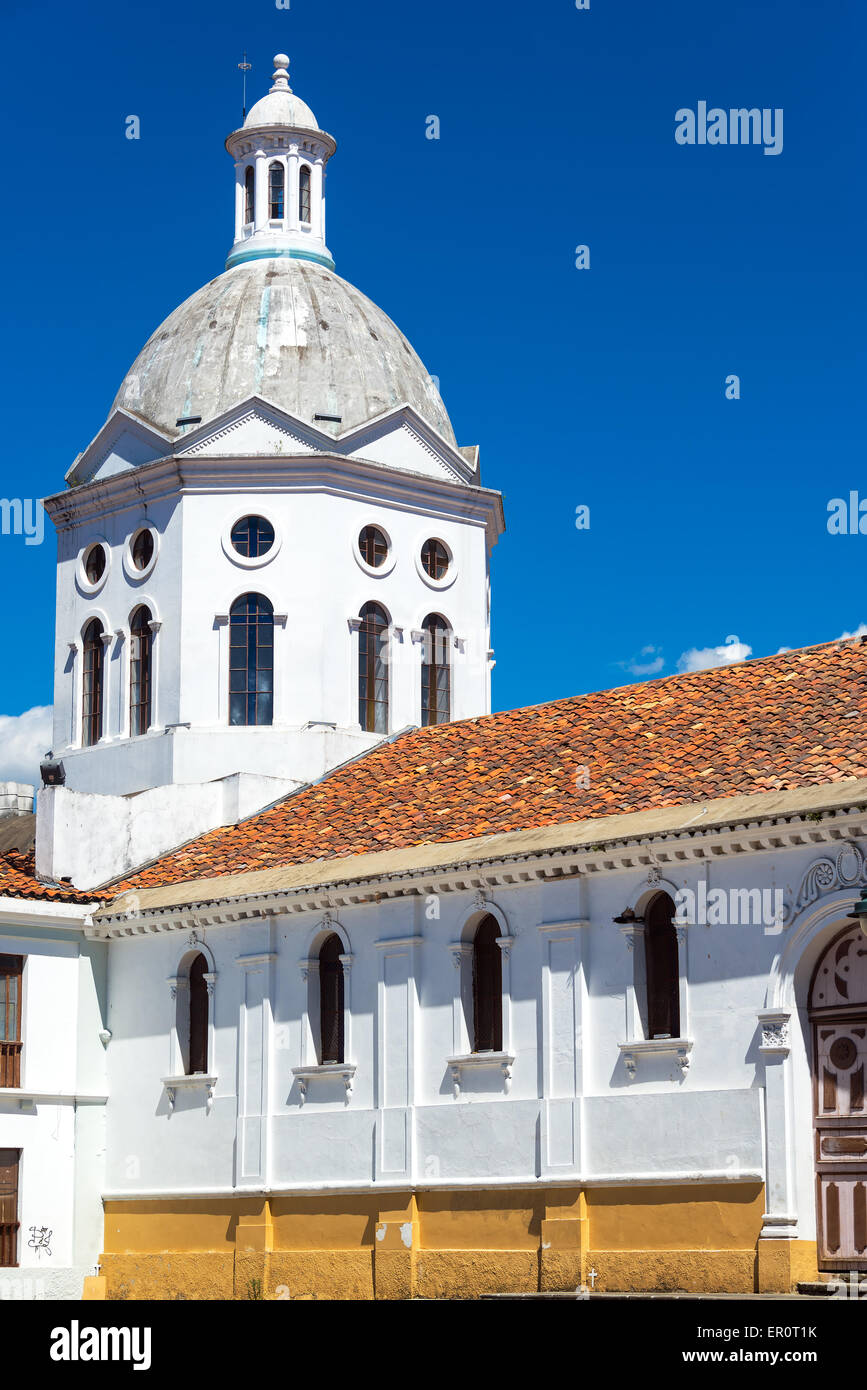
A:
(860, 631)
(700, 658)
(24, 741)
(654, 662)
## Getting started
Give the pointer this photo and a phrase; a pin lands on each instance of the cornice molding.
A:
(353, 478)
(682, 848)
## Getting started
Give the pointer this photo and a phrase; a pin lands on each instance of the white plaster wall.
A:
(313, 577)
(92, 839)
(148, 1146)
(61, 1141)
(570, 1110)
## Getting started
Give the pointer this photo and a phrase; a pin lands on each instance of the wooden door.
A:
(839, 1014)
(9, 1207)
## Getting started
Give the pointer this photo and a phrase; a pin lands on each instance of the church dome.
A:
(281, 108)
(286, 329)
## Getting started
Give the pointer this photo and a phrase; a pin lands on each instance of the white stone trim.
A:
(480, 1061)
(325, 1071)
(633, 1051)
(196, 1082)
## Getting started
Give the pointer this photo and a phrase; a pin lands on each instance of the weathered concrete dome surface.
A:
(288, 330)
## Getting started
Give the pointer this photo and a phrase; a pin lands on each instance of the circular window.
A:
(435, 559)
(373, 546)
(94, 563)
(252, 537)
(142, 549)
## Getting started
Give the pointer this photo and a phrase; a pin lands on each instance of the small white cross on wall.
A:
(593, 1276)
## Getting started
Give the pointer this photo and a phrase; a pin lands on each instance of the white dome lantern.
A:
(280, 156)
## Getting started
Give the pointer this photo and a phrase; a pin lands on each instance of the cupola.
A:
(280, 156)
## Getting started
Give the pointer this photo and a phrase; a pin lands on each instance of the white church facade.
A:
(317, 979)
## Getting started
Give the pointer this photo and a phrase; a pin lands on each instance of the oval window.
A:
(435, 559)
(373, 546)
(94, 563)
(142, 549)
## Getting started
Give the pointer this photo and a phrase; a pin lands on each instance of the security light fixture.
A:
(52, 771)
(628, 919)
(189, 420)
(335, 419)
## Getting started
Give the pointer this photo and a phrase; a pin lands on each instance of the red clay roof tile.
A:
(780, 722)
(18, 880)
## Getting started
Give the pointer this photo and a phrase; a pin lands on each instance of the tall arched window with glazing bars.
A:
(251, 660)
(249, 194)
(436, 671)
(140, 662)
(276, 189)
(373, 669)
(92, 683)
(304, 193)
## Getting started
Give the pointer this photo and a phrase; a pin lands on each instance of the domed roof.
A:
(281, 106)
(289, 330)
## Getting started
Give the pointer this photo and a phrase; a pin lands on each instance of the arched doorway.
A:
(838, 1016)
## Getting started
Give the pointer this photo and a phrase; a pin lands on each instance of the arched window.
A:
(249, 184)
(276, 181)
(487, 988)
(436, 683)
(91, 708)
(373, 669)
(304, 194)
(663, 973)
(331, 1000)
(251, 660)
(140, 652)
(198, 1053)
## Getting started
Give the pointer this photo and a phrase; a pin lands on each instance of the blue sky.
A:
(602, 387)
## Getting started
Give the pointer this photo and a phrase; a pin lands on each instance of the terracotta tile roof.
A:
(782, 722)
(18, 880)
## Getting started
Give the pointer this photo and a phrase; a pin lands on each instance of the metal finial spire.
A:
(245, 68)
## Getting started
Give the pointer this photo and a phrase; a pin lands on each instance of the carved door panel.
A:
(840, 1102)
(841, 1142)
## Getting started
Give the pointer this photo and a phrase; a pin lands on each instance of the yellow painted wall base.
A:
(95, 1288)
(459, 1244)
(783, 1264)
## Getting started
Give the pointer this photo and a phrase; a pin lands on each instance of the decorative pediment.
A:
(123, 443)
(254, 431)
(397, 439)
(846, 869)
(395, 443)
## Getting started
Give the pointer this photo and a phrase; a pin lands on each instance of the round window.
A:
(142, 549)
(94, 563)
(434, 559)
(373, 546)
(252, 536)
